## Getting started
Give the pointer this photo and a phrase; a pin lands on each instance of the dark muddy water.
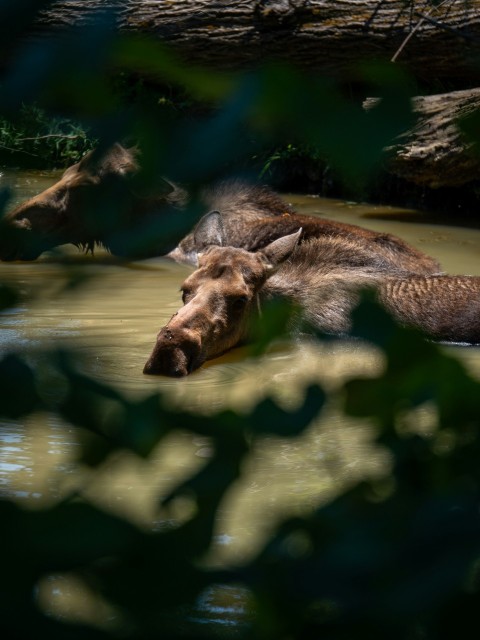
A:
(111, 320)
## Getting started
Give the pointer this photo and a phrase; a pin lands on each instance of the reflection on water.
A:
(25, 184)
(111, 320)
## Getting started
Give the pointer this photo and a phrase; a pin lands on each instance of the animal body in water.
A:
(324, 275)
(106, 199)
(103, 199)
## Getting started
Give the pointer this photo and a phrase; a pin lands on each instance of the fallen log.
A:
(434, 40)
(439, 40)
(436, 152)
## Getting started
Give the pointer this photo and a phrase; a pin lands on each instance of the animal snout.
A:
(176, 354)
(9, 240)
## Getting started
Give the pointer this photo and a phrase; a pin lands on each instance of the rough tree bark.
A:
(436, 153)
(437, 41)
(324, 35)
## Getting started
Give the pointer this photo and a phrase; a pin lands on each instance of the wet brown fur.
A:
(444, 307)
(324, 276)
(101, 200)
(253, 217)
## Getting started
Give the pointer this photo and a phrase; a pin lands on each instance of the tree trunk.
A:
(326, 36)
(436, 153)
(437, 42)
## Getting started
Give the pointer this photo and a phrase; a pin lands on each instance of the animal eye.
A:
(185, 295)
(240, 302)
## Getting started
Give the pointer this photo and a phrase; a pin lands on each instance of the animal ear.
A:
(209, 231)
(111, 160)
(164, 187)
(279, 250)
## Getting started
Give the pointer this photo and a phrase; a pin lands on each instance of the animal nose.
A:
(17, 242)
(176, 354)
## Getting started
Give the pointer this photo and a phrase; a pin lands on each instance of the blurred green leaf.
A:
(395, 555)
(9, 296)
(150, 58)
(268, 418)
(16, 17)
(470, 127)
(18, 395)
(274, 322)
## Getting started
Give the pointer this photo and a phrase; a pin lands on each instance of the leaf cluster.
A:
(393, 557)
(396, 555)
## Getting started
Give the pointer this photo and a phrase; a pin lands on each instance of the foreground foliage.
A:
(396, 557)
(34, 139)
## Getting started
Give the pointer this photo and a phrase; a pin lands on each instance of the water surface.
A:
(111, 318)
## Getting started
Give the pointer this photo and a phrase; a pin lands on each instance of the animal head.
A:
(219, 299)
(93, 199)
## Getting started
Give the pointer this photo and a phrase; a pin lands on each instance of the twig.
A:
(53, 135)
(3, 146)
(423, 18)
(446, 27)
(402, 46)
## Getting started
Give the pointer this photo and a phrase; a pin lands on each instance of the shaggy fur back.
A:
(445, 307)
(232, 196)
(325, 276)
(253, 217)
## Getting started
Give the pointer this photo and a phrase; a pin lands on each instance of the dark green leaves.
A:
(18, 395)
